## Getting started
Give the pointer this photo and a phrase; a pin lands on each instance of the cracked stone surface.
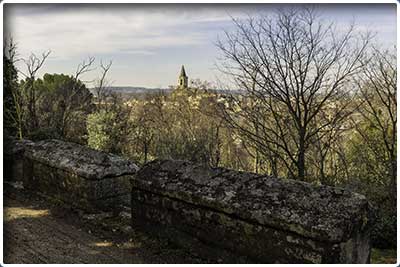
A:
(80, 160)
(330, 218)
(13, 146)
(321, 212)
(74, 173)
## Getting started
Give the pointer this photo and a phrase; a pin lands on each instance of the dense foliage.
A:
(63, 105)
(10, 87)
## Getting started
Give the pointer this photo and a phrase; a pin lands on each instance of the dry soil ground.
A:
(37, 230)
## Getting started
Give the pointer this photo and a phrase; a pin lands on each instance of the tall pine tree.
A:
(10, 85)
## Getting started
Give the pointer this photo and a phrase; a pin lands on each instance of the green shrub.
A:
(384, 230)
(101, 130)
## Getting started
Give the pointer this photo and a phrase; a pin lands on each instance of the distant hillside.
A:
(130, 90)
(138, 92)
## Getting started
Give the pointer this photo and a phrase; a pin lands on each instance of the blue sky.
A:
(148, 43)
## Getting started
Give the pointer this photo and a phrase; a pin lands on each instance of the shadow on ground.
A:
(39, 230)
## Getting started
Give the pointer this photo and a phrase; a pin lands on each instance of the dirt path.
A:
(38, 232)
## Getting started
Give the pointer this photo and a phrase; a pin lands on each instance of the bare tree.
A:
(378, 88)
(33, 65)
(74, 97)
(328, 159)
(111, 110)
(294, 72)
(102, 84)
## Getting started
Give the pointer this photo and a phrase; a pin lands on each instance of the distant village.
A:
(129, 92)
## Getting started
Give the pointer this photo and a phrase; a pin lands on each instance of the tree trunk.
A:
(393, 179)
(145, 151)
(301, 156)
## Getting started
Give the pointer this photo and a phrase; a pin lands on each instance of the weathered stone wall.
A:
(219, 213)
(76, 174)
(255, 217)
(13, 158)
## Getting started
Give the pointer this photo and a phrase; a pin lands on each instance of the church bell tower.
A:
(183, 79)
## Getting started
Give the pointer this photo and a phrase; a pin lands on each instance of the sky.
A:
(148, 43)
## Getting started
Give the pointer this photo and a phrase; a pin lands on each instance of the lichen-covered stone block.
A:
(77, 174)
(13, 158)
(261, 218)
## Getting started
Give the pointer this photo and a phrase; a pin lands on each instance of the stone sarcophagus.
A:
(251, 217)
(14, 157)
(77, 174)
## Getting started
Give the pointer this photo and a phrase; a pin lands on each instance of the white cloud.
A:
(128, 33)
(77, 33)
(133, 29)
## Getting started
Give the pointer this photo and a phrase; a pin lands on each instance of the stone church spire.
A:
(183, 79)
